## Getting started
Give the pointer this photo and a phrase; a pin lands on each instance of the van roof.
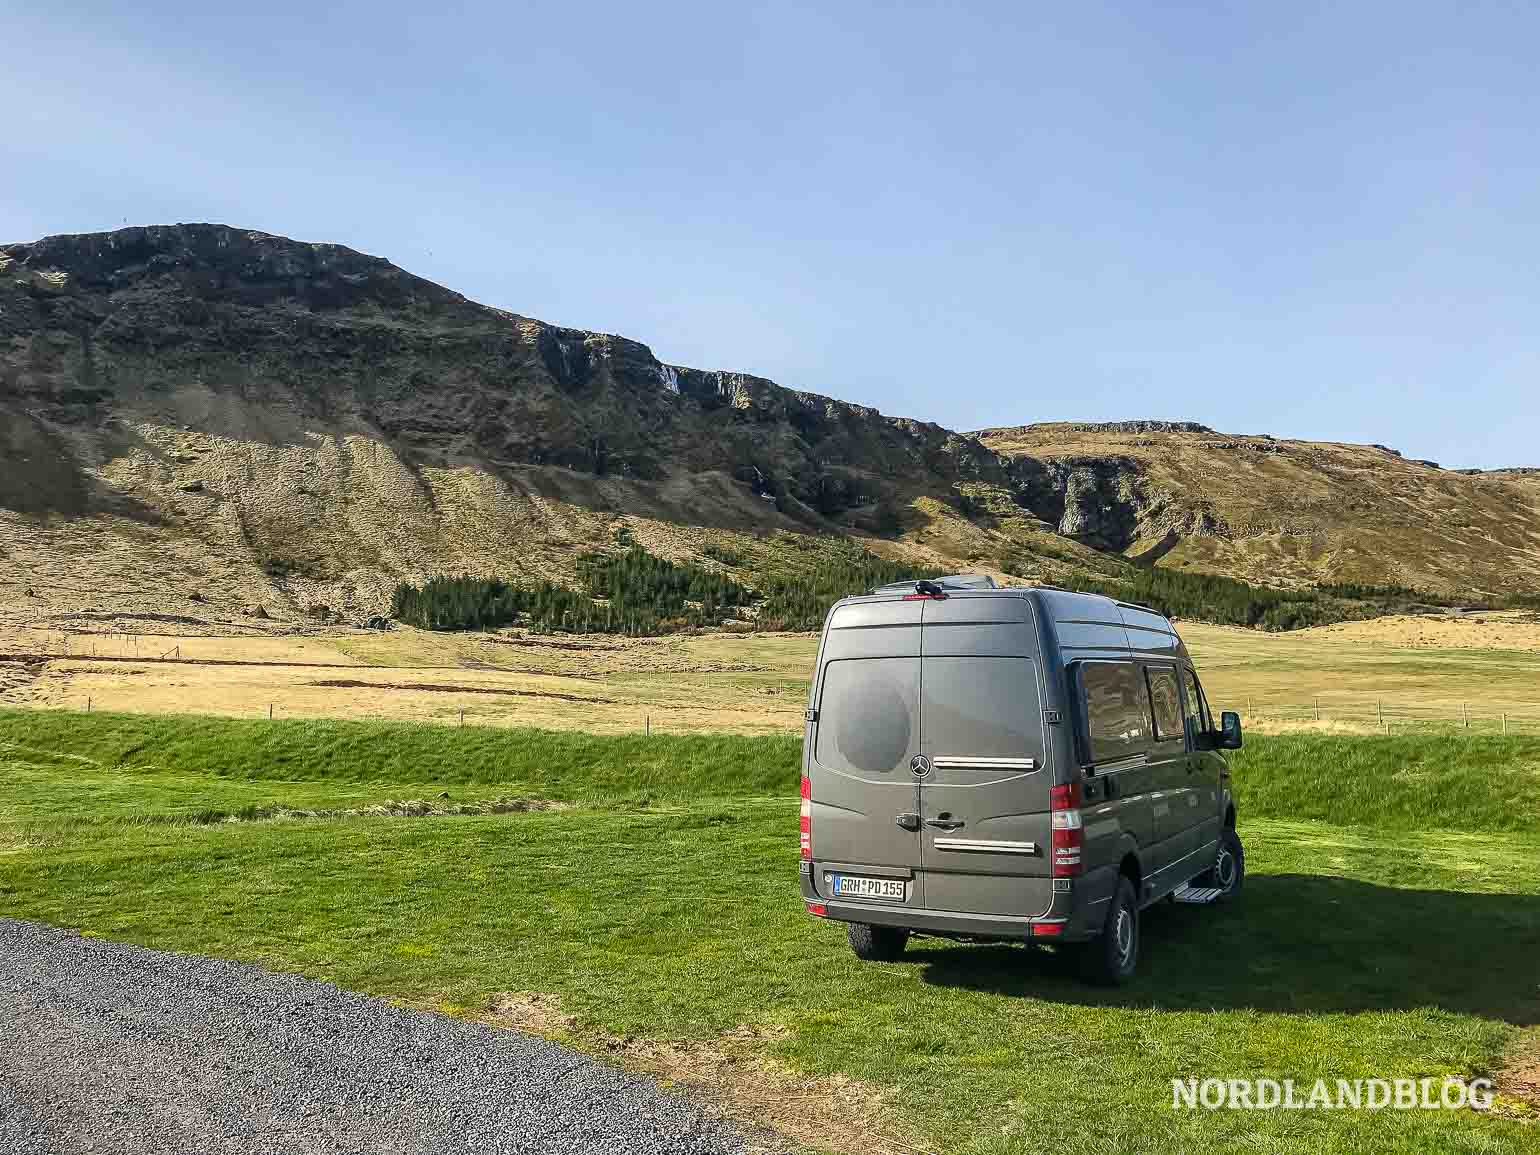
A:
(1086, 624)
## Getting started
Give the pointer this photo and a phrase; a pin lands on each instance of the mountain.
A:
(198, 418)
(1280, 511)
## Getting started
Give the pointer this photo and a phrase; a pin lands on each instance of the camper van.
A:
(1027, 764)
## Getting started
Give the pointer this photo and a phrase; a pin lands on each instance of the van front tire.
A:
(877, 943)
(1109, 959)
(1229, 871)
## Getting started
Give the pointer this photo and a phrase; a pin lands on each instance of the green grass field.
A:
(662, 905)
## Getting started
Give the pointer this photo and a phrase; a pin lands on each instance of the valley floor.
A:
(1440, 671)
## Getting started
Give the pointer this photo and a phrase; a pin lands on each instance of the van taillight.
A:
(1064, 803)
(807, 817)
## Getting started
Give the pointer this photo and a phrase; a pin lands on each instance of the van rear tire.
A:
(877, 943)
(1109, 959)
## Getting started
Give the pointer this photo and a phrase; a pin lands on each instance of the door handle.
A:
(907, 821)
(944, 823)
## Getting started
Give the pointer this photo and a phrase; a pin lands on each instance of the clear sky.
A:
(1305, 220)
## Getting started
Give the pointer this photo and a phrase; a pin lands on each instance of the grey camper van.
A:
(992, 763)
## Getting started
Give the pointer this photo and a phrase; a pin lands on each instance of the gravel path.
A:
(107, 1047)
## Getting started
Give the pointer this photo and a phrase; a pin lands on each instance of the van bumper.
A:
(964, 924)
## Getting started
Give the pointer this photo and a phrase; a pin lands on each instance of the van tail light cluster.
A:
(807, 817)
(1064, 804)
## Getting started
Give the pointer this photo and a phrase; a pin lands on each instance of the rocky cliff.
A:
(244, 417)
(327, 335)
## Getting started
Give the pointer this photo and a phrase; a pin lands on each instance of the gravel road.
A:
(107, 1048)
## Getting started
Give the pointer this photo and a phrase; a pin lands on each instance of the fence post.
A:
(1318, 709)
(1465, 713)
(1505, 723)
(1505, 717)
(269, 711)
(1382, 711)
(649, 725)
(462, 717)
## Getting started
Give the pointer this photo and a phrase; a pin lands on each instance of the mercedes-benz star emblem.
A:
(920, 765)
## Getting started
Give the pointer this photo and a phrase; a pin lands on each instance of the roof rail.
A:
(1137, 606)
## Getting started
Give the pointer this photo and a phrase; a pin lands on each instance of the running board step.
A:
(1197, 895)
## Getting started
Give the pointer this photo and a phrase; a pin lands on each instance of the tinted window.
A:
(982, 708)
(1197, 708)
(866, 714)
(1167, 702)
(1117, 709)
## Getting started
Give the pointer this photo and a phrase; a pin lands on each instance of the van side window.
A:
(1167, 700)
(1197, 708)
(1117, 710)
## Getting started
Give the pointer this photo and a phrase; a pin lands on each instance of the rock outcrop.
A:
(94, 323)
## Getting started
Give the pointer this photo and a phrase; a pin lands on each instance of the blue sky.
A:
(1313, 221)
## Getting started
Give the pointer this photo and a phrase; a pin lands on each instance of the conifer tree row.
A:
(635, 592)
(638, 593)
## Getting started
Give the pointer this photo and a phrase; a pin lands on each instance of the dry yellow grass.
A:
(1414, 671)
(741, 683)
(1505, 630)
(1418, 670)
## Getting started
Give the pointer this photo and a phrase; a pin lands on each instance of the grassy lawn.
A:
(663, 906)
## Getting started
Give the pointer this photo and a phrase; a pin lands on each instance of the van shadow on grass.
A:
(1297, 943)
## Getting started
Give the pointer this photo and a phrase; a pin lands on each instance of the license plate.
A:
(854, 886)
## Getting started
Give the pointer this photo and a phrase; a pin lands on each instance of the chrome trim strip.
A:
(985, 845)
(1106, 769)
(946, 762)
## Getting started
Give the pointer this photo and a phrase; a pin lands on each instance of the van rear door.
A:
(986, 835)
(860, 742)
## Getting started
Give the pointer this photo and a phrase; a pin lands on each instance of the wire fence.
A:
(1389, 716)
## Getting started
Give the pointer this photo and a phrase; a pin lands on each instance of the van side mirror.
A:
(1229, 730)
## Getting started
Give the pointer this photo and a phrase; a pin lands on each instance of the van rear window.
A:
(866, 714)
(1117, 710)
(984, 707)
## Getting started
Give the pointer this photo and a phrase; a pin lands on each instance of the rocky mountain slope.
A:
(197, 417)
(1277, 510)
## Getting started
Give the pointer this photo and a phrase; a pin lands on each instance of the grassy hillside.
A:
(568, 766)
(1398, 783)
(1267, 509)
